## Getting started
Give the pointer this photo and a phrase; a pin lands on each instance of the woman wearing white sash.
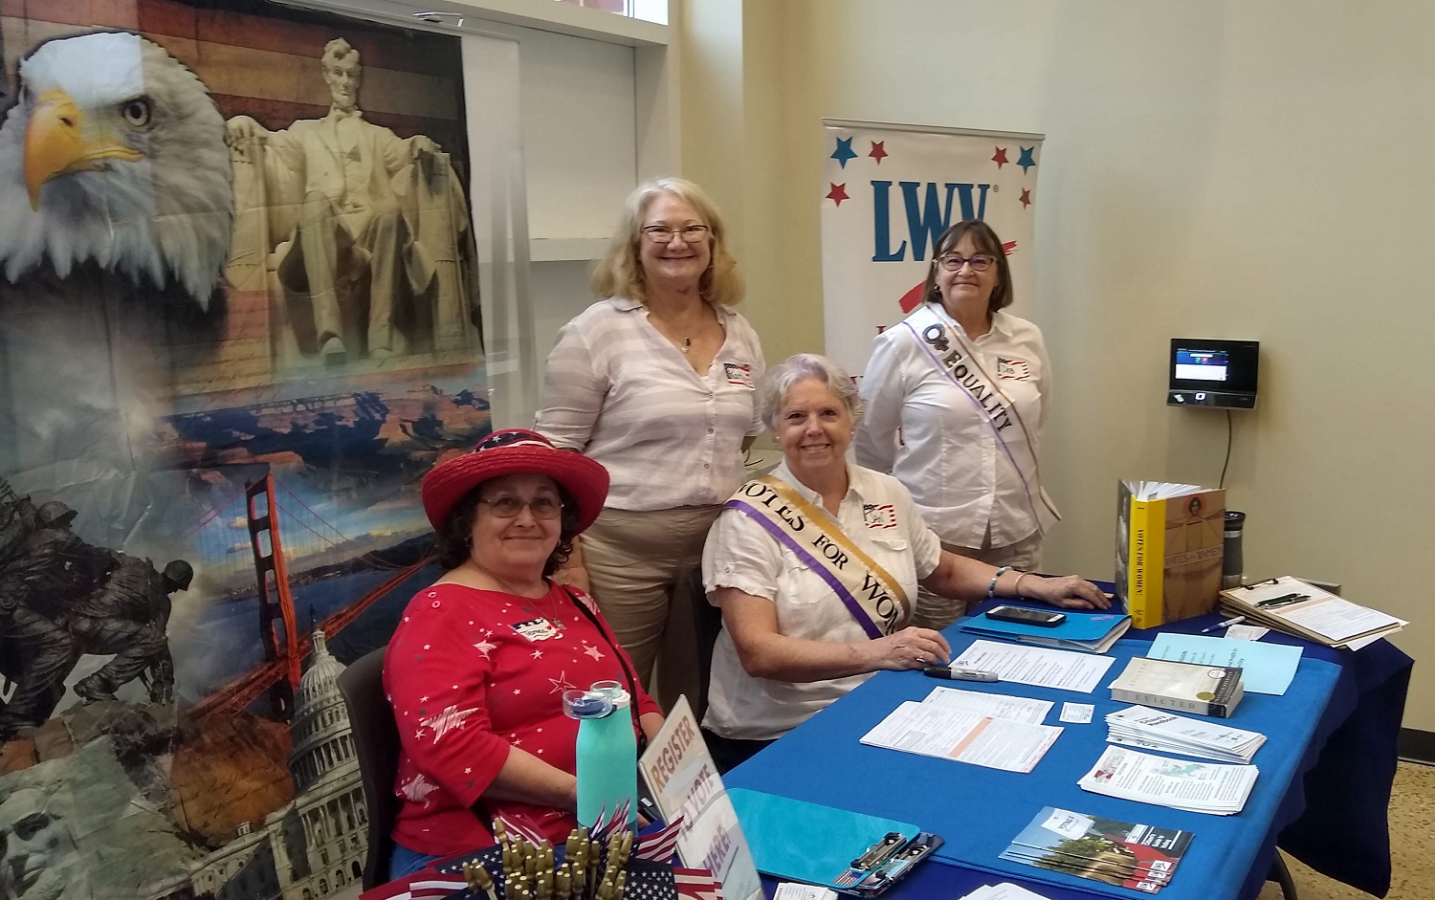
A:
(815, 569)
(958, 394)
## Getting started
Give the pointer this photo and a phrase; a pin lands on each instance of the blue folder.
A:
(1090, 627)
(808, 842)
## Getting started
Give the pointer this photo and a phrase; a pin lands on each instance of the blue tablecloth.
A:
(979, 810)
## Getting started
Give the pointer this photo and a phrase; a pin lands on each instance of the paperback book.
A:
(1200, 689)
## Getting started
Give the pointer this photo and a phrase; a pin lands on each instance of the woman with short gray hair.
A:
(816, 567)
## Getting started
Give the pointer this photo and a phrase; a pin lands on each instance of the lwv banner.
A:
(889, 193)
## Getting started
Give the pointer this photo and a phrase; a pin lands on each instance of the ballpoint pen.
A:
(1282, 600)
(1226, 624)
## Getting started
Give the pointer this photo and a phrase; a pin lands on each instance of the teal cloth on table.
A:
(978, 811)
(1265, 668)
(807, 841)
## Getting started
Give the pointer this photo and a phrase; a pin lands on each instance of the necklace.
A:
(687, 344)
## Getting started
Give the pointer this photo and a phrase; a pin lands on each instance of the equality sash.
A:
(959, 365)
(873, 597)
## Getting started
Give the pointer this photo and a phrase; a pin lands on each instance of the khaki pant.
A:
(938, 612)
(639, 565)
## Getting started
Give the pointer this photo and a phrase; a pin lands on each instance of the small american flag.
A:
(660, 845)
(425, 885)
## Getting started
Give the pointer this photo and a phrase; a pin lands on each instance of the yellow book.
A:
(1169, 546)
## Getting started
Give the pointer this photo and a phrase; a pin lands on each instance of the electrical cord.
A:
(1229, 435)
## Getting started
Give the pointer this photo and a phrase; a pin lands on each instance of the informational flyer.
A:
(684, 782)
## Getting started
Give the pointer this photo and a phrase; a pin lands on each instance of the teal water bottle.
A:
(607, 752)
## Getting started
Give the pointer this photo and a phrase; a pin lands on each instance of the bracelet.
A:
(1016, 585)
(992, 588)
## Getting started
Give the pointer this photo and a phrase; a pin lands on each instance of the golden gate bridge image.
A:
(281, 528)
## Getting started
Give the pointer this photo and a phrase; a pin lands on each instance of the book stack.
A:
(1187, 687)
(1170, 539)
(1084, 632)
(1163, 732)
(1180, 784)
(1140, 857)
(1304, 610)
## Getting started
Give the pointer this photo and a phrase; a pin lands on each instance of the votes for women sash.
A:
(875, 599)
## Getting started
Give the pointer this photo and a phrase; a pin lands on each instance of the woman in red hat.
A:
(477, 668)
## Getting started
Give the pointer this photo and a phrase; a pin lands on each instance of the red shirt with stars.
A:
(472, 672)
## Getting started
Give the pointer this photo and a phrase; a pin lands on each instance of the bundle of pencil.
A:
(589, 871)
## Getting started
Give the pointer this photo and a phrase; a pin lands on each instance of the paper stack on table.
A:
(997, 706)
(1164, 732)
(1304, 610)
(930, 729)
(1004, 891)
(1064, 670)
(1197, 787)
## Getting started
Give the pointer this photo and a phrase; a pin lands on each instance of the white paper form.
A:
(1198, 787)
(1004, 891)
(965, 737)
(1061, 669)
(791, 890)
(1077, 713)
(1246, 632)
(997, 706)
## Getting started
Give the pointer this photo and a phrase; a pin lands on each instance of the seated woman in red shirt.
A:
(477, 668)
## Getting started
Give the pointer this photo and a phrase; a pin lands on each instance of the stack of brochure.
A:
(1163, 732)
(1304, 610)
(1139, 857)
(1177, 783)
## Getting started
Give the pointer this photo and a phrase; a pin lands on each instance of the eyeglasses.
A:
(510, 507)
(662, 234)
(979, 263)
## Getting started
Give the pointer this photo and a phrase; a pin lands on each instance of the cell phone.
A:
(1024, 616)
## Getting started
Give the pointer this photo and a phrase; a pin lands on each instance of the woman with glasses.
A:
(655, 381)
(477, 669)
(957, 395)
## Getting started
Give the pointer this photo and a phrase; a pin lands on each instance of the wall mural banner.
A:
(238, 322)
(889, 191)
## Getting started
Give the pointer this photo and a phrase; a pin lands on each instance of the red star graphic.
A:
(838, 193)
(1025, 197)
(879, 152)
(1000, 158)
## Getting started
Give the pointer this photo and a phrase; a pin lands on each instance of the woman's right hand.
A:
(910, 648)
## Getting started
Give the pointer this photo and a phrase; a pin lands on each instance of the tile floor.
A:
(1412, 827)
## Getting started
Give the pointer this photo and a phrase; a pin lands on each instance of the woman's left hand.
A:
(1067, 591)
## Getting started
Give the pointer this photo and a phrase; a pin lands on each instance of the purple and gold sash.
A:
(873, 597)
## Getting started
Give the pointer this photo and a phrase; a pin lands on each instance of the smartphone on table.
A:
(1024, 616)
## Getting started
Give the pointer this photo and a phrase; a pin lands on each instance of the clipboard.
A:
(844, 851)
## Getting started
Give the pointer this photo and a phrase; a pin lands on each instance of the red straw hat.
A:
(515, 451)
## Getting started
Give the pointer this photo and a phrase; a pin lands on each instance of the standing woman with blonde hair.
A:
(656, 382)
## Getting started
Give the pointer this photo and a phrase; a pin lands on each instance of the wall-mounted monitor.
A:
(1215, 373)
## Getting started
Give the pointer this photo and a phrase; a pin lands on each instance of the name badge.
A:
(879, 516)
(738, 374)
(1013, 369)
(536, 629)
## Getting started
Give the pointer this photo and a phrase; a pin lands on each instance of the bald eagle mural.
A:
(115, 217)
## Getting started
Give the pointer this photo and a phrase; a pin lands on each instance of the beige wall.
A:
(1219, 169)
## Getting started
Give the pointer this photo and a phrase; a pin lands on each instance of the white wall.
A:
(1219, 169)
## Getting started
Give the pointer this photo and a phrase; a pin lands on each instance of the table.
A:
(1324, 786)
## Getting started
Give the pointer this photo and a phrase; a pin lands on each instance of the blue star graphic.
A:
(1026, 162)
(843, 151)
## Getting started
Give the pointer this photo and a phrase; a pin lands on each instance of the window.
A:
(308, 894)
(323, 887)
(354, 867)
(338, 877)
